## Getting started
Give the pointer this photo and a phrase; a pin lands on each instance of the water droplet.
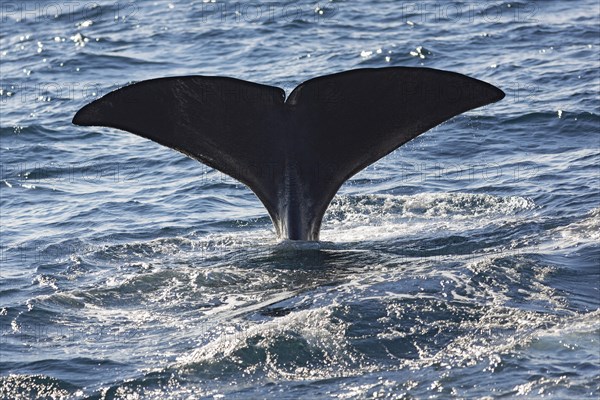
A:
(420, 52)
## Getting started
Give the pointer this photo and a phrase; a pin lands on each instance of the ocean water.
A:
(463, 265)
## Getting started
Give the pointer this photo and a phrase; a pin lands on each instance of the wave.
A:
(374, 216)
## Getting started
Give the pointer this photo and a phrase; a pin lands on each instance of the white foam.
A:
(578, 233)
(315, 327)
(381, 216)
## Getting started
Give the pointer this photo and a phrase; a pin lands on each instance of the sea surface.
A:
(465, 264)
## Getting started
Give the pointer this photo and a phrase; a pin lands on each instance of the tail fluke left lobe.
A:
(228, 124)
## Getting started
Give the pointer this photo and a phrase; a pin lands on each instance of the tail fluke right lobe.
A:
(347, 121)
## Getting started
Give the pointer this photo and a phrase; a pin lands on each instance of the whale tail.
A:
(293, 154)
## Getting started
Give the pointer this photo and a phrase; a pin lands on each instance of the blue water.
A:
(463, 265)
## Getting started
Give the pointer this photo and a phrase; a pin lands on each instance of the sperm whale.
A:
(293, 153)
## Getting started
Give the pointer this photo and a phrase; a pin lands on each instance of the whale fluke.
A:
(293, 154)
